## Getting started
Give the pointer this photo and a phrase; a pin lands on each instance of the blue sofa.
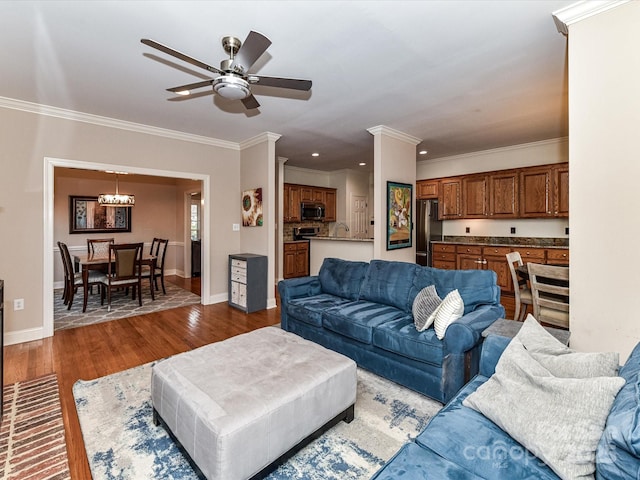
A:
(460, 443)
(364, 311)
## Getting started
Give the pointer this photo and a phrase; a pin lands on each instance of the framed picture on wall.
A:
(87, 216)
(399, 215)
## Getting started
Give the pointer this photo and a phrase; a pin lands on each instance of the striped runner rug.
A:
(32, 443)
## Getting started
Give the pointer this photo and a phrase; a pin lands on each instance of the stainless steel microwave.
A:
(312, 211)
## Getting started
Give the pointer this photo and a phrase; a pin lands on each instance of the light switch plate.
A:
(18, 304)
(236, 227)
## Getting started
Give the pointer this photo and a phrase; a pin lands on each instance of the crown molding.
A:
(261, 138)
(390, 132)
(575, 12)
(49, 111)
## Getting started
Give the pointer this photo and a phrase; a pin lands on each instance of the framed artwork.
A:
(87, 216)
(399, 215)
(252, 208)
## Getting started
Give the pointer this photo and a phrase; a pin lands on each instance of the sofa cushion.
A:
(618, 454)
(310, 309)
(357, 320)
(342, 278)
(467, 438)
(450, 310)
(560, 420)
(476, 287)
(390, 283)
(401, 337)
(413, 462)
(562, 361)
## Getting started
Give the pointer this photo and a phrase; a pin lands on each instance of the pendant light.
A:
(117, 199)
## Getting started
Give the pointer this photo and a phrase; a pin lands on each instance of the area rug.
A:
(122, 306)
(122, 442)
(32, 443)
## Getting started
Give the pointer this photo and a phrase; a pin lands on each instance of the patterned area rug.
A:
(32, 443)
(122, 442)
(122, 306)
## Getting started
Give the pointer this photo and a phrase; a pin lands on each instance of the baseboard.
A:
(217, 298)
(21, 336)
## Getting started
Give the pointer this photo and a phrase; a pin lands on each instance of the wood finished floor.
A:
(97, 350)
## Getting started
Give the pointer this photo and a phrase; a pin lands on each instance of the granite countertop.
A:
(344, 239)
(296, 241)
(520, 242)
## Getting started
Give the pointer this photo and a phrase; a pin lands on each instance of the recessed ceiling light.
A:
(315, 154)
(362, 164)
(422, 152)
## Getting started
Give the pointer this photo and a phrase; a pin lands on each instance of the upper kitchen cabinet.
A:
(475, 196)
(450, 198)
(544, 191)
(291, 203)
(490, 195)
(330, 205)
(427, 189)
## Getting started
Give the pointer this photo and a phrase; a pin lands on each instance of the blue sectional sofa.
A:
(460, 443)
(364, 311)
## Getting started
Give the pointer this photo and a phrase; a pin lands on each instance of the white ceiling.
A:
(462, 76)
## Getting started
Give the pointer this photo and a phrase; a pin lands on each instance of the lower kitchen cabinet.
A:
(296, 259)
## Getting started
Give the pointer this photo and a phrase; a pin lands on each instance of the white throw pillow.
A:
(450, 310)
(562, 361)
(425, 303)
(560, 420)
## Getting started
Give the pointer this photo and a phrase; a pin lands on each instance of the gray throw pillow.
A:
(425, 303)
(560, 420)
(562, 361)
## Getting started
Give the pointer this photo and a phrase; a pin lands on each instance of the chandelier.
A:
(116, 199)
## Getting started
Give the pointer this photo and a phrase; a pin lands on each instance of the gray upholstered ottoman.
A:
(240, 406)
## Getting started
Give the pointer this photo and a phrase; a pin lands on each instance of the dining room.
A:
(160, 208)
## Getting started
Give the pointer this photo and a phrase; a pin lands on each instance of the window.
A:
(195, 216)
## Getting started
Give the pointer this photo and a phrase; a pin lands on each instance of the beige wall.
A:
(26, 139)
(604, 115)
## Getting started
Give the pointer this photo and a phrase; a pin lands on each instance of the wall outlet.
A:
(18, 304)
(566, 230)
(467, 230)
(236, 227)
(513, 229)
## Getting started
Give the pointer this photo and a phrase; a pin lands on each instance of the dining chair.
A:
(124, 270)
(99, 247)
(521, 291)
(550, 293)
(73, 280)
(160, 253)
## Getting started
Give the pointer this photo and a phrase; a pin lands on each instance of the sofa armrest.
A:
(466, 332)
(299, 287)
(492, 349)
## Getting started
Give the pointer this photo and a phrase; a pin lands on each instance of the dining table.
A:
(86, 262)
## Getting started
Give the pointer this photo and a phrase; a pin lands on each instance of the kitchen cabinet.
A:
(545, 191)
(557, 256)
(444, 256)
(475, 196)
(248, 282)
(427, 189)
(450, 199)
(291, 203)
(296, 259)
(330, 205)
(503, 194)
(294, 194)
(476, 257)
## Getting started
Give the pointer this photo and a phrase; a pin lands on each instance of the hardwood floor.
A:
(97, 350)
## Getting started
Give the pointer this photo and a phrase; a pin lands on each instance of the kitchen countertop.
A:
(347, 239)
(519, 242)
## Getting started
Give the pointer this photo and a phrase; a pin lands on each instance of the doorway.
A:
(359, 215)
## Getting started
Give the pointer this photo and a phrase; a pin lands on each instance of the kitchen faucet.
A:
(337, 227)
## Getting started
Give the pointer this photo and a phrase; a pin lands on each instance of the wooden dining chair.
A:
(99, 247)
(160, 254)
(73, 280)
(550, 293)
(522, 293)
(124, 270)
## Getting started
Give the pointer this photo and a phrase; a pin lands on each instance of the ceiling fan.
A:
(234, 81)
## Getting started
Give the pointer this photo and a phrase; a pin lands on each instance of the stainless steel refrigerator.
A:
(428, 229)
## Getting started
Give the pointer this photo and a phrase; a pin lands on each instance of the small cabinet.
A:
(495, 258)
(427, 189)
(330, 205)
(558, 256)
(291, 203)
(248, 282)
(503, 194)
(561, 190)
(475, 196)
(444, 256)
(296, 259)
(545, 191)
(294, 195)
(450, 199)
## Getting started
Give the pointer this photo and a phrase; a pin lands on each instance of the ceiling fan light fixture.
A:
(233, 88)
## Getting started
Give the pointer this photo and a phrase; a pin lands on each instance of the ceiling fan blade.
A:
(250, 102)
(252, 48)
(180, 55)
(292, 83)
(190, 86)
